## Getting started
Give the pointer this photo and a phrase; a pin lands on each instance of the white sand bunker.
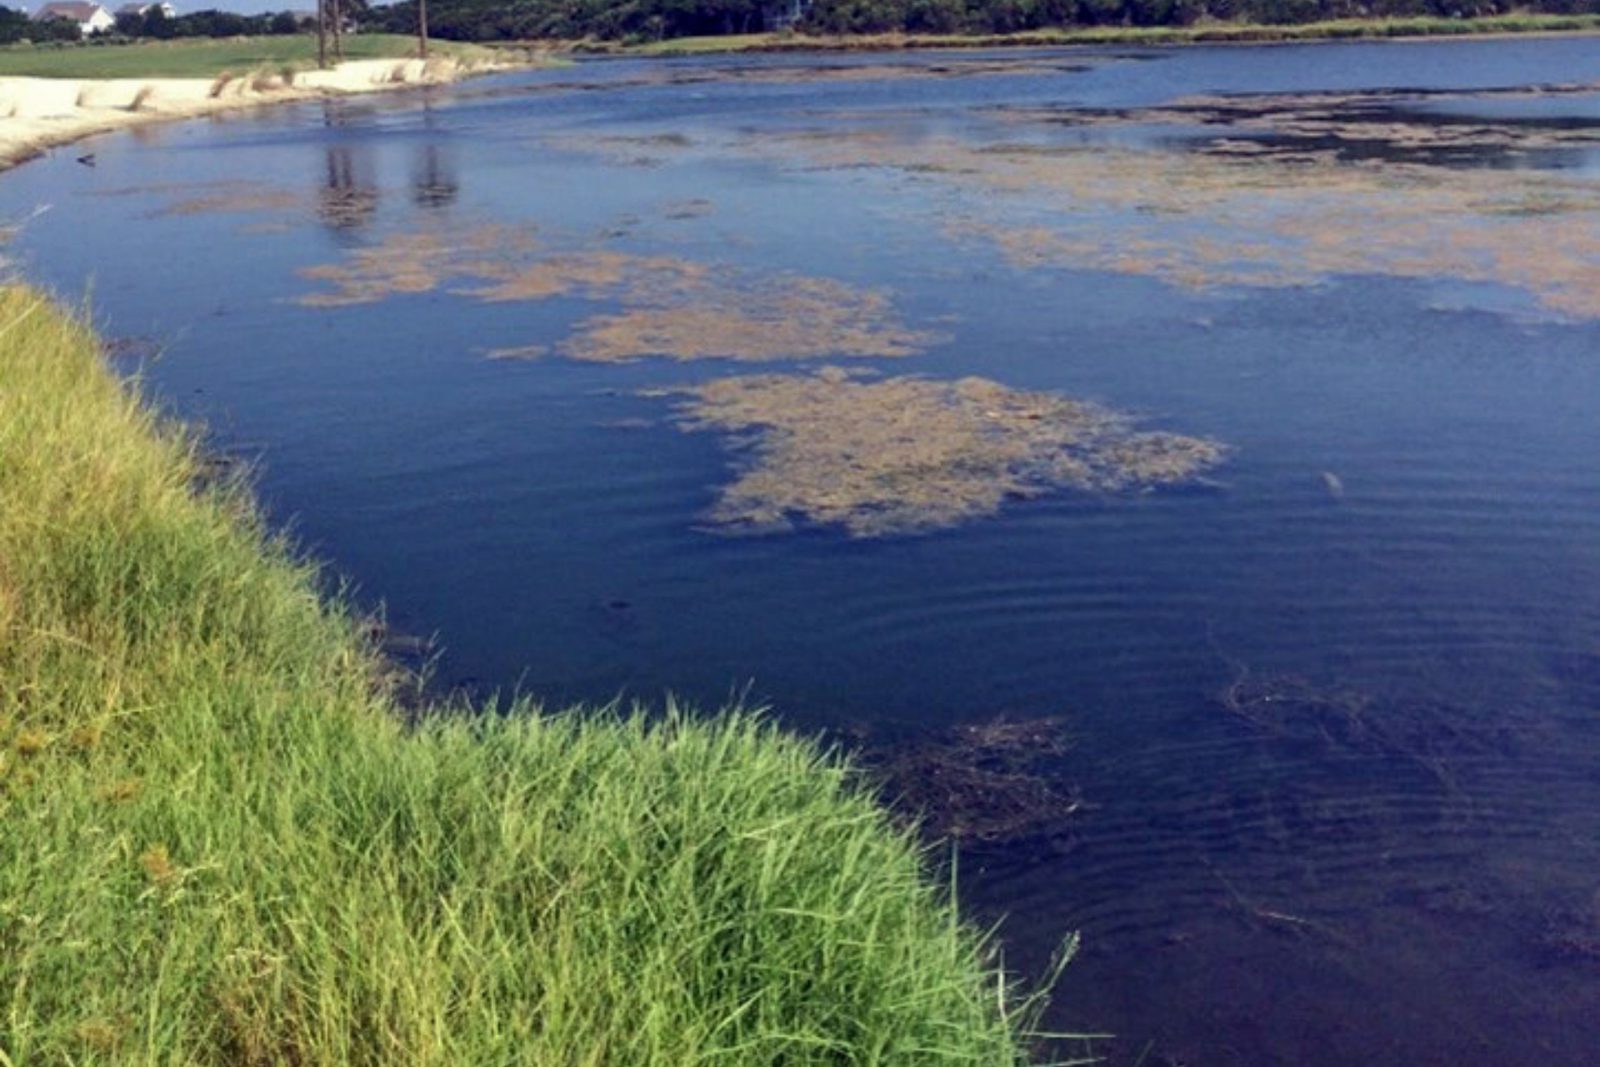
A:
(38, 112)
(909, 455)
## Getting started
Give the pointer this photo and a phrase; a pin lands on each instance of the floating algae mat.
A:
(1268, 191)
(413, 262)
(671, 307)
(908, 455)
(1369, 126)
(787, 318)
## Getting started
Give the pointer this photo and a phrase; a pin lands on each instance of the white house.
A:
(90, 17)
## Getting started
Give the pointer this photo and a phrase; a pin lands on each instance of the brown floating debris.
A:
(908, 455)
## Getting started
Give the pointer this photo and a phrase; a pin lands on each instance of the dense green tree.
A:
(13, 25)
(490, 20)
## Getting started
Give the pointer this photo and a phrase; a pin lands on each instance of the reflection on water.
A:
(433, 179)
(1307, 754)
(347, 199)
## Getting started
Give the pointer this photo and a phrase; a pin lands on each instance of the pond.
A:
(1176, 468)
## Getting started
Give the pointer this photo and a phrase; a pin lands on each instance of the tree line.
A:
(16, 25)
(503, 20)
(154, 23)
(491, 20)
(1011, 16)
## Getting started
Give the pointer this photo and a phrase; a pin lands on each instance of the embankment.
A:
(220, 842)
(37, 113)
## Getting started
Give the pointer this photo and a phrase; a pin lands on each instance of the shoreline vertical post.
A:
(322, 34)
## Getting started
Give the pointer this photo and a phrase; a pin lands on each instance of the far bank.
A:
(1210, 32)
(67, 94)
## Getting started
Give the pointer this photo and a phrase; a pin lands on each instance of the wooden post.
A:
(322, 34)
(422, 29)
(338, 29)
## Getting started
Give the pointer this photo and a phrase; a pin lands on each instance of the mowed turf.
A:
(204, 58)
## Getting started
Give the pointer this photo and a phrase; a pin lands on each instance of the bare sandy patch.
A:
(36, 113)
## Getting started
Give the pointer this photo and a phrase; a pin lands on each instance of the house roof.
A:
(76, 10)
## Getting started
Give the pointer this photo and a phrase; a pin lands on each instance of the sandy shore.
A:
(37, 113)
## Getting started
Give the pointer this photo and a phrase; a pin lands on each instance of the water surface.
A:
(1334, 704)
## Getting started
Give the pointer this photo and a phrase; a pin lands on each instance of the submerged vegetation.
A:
(221, 843)
(986, 784)
(904, 455)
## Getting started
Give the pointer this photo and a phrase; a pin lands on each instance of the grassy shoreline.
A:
(219, 843)
(1206, 33)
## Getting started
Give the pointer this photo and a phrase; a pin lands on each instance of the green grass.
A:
(206, 58)
(1215, 32)
(221, 844)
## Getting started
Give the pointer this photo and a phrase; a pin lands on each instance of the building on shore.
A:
(91, 17)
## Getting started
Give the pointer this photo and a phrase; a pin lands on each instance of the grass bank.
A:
(1214, 32)
(196, 58)
(219, 843)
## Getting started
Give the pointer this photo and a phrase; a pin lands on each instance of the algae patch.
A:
(909, 455)
(1264, 192)
(665, 306)
(593, 274)
(410, 263)
(1362, 126)
(792, 318)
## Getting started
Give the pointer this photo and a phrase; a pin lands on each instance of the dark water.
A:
(1336, 715)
